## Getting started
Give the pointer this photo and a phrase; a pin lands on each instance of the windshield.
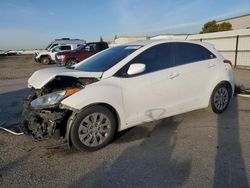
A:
(48, 46)
(106, 59)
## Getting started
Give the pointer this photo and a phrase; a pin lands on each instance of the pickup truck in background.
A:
(69, 58)
(47, 56)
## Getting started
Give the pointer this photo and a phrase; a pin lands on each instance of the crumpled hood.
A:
(43, 76)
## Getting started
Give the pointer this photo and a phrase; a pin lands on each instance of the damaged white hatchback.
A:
(125, 86)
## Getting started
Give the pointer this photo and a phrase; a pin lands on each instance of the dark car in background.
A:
(69, 58)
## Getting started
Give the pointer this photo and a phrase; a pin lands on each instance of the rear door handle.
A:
(173, 75)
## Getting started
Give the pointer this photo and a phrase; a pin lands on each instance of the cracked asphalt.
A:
(195, 149)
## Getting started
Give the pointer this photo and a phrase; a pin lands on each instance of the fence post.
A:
(236, 51)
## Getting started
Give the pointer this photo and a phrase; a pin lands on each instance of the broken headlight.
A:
(52, 99)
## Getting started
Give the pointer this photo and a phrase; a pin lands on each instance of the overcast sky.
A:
(26, 24)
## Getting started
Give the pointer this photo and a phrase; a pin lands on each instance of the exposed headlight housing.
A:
(52, 99)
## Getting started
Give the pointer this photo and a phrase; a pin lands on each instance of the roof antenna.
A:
(187, 36)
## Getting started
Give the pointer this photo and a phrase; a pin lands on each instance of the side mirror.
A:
(136, 68)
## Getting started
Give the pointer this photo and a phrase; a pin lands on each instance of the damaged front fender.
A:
(48, 121)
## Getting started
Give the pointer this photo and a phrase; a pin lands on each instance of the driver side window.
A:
(90, 48)
(156, 58)
(56, 49)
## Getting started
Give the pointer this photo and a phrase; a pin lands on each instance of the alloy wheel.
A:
(94, 129)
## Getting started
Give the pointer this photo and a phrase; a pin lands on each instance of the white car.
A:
(125, 86)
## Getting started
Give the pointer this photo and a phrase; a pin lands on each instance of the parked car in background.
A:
(11, 52)
(61, 41)
(125, 86)
(2, 53)
(69, 58)
(47, 56)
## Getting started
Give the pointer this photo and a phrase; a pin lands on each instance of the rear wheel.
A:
(71, 62)
(220, 98)
(93, 128)
(45, 60)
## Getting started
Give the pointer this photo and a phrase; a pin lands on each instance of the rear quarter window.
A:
(188, 53)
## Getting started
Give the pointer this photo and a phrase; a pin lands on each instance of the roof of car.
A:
(142, 42)
(147, 42)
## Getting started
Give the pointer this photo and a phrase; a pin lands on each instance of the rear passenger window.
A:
(65, 48)
(187, 53)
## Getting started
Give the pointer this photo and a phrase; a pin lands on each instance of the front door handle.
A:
(173, 75)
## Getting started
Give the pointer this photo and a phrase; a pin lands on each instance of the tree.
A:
(225, 26)
(209, 27)
(213, 26)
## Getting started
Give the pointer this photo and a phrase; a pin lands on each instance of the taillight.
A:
(229, 62)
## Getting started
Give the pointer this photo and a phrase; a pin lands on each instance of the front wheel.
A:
(45, 60)
(71, 62)
(93, 128)
(220, 98)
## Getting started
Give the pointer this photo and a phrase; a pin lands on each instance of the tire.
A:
(93, 128)
(220, 98)
(71, 62)
(45, 60)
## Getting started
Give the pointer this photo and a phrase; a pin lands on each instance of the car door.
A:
(150, 95)
(195, 66)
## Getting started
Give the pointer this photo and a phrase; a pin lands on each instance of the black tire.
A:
(71, 62)
(45, 60)
(220, 98)
(77, 125)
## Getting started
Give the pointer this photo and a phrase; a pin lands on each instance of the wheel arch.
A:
(230, 86)
(226, 82)
(45, 56)
(74, 115)
(71, 58)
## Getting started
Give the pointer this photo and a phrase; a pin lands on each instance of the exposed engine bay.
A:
(47, 121)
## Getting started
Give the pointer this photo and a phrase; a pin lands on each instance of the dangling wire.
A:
(9, 131)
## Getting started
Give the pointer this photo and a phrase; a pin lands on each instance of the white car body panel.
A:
(43, 76)
(108, 92)
(149, 96)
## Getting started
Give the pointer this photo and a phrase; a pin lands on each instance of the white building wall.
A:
(241, 22)
(224, 42)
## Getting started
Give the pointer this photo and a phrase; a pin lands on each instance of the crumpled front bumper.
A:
(42, 123)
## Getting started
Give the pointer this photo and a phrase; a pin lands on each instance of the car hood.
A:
(41, 77)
